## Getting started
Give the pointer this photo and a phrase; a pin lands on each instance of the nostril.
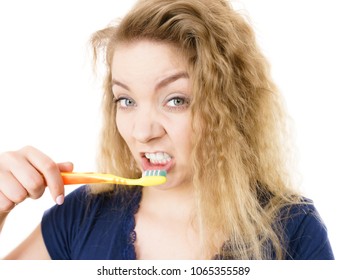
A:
(145, 130)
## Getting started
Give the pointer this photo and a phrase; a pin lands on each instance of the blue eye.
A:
(178, 102)
(124, 102)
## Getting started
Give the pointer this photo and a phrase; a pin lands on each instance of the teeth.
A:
(158, 158)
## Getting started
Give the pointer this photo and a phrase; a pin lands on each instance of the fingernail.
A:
(60, 199)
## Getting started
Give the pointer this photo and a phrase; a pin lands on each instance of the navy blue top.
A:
(95, 227)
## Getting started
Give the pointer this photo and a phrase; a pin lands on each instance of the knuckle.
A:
(27, 148)
(50, 166)
(35, 184)
(19, 197)
(37, 194)
(8, 157)
(27, 151)
(7, 206)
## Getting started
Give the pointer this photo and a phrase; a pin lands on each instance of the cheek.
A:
(123, 127)
(182, 132)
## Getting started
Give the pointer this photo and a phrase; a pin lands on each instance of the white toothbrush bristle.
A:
(157, 172)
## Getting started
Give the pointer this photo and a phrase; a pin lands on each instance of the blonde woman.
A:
(188, 91)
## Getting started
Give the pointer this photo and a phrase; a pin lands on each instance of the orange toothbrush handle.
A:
(70, 178)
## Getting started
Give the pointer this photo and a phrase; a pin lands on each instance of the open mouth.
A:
(157, 161)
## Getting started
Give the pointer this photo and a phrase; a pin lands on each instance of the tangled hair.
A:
(241, 175)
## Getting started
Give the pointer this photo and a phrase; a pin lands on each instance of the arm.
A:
(33, 247)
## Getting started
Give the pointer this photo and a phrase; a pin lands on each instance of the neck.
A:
(177, 203)
(165, 222)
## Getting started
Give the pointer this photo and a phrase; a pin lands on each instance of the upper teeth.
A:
(156, 158)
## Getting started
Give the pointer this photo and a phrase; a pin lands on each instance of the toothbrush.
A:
(149, 178)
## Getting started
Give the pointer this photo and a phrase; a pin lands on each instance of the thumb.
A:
(65, 166)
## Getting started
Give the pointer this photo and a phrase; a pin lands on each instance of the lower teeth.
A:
(159, 162)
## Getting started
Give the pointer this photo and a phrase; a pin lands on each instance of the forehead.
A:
(143, 56)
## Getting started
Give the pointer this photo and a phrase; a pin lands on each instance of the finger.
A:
(6, 205)
(65, 166)
(11, 189)
(31, 180)
(27, 175)
(49, 170)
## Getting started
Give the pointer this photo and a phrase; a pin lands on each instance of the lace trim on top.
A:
(129, 226)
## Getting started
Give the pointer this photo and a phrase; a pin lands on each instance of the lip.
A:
(147, 165)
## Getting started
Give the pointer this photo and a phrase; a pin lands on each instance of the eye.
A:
(178, 101)
(124, 102)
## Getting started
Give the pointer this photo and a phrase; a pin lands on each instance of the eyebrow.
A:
(162, 83)
(172, 78)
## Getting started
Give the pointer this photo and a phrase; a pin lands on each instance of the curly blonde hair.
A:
(241, 172)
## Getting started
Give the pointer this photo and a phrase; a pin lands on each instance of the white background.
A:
(50, 99)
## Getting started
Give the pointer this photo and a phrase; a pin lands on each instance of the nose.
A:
(147, 126)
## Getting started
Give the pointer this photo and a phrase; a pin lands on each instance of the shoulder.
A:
(81, 204)
(305, 233)
(83, 226)
(81, 200)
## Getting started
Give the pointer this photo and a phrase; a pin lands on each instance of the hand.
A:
(26, 173)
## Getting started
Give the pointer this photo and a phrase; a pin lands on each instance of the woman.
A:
(186, 90)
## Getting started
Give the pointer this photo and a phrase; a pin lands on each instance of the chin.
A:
(171, 184)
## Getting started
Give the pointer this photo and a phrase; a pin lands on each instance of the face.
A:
(152, 92)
